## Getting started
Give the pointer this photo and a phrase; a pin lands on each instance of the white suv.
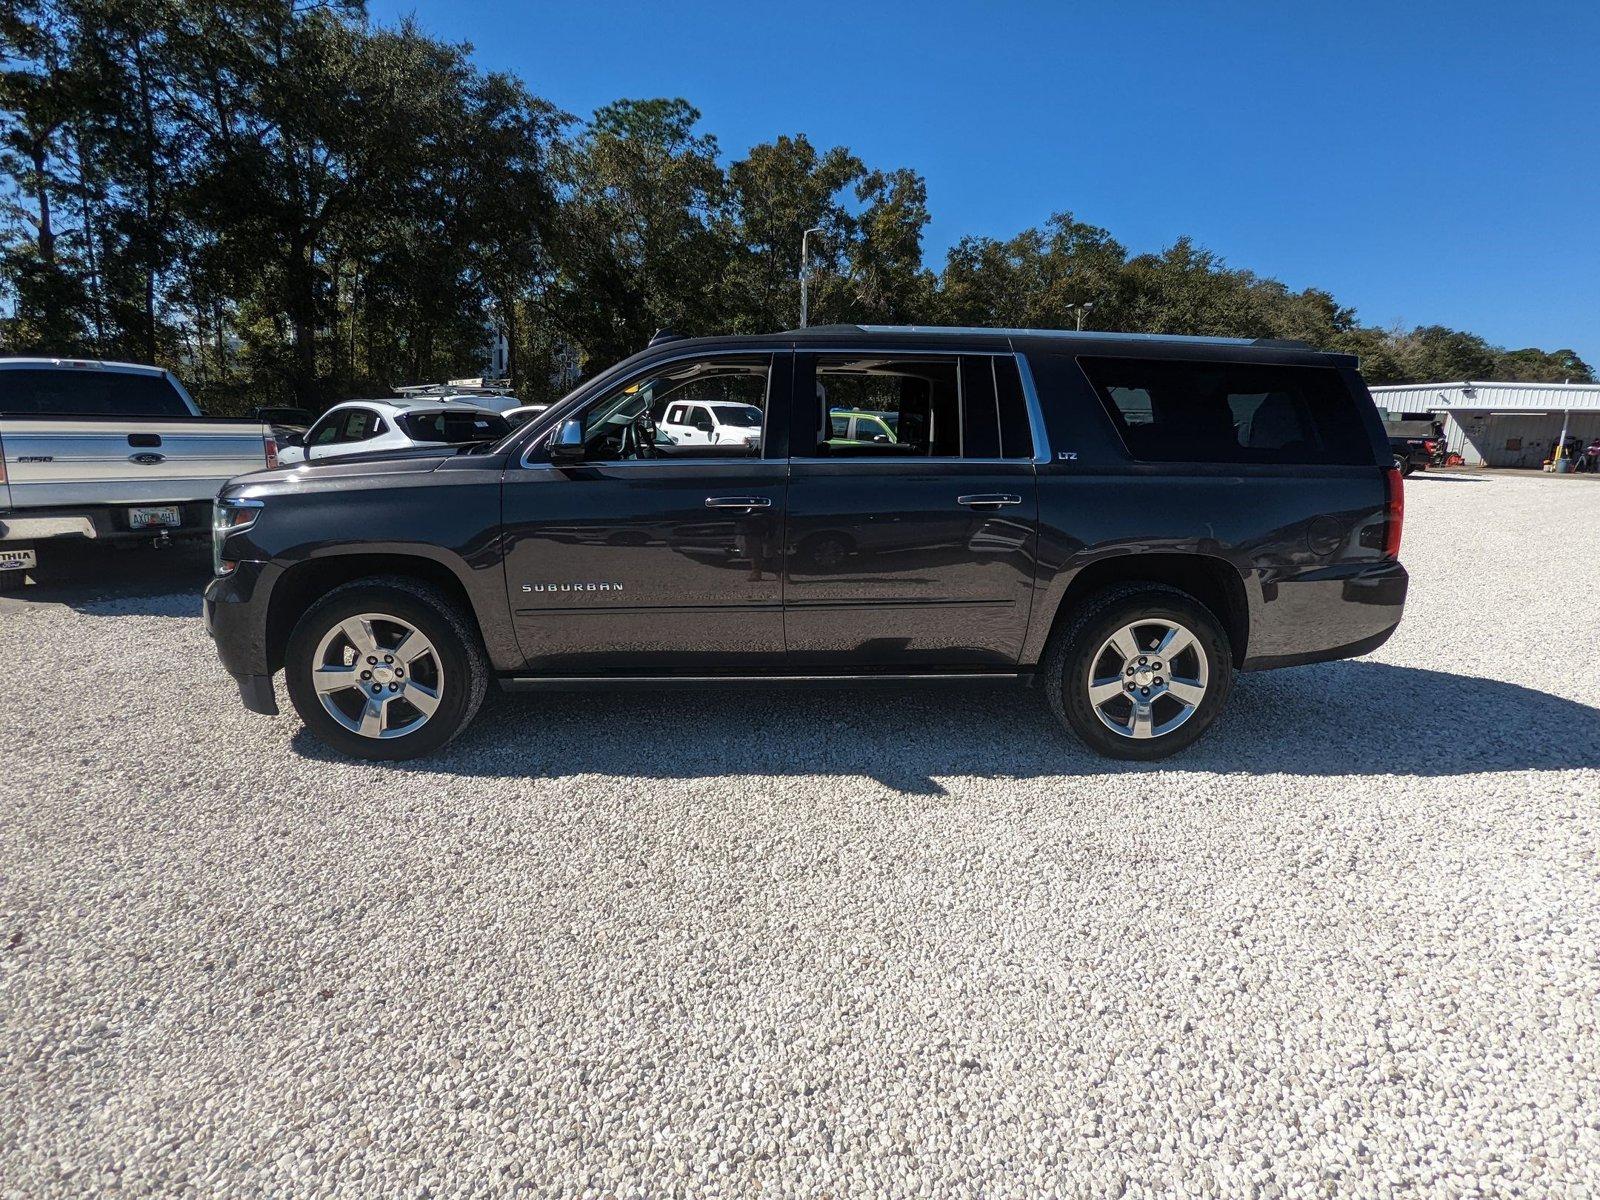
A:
(712, 423)
(364, 426)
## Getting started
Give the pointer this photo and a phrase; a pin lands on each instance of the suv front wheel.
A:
(385, 668)
(1140, 672)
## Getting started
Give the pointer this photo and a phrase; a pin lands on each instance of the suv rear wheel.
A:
(1140, 672)
(386, 668)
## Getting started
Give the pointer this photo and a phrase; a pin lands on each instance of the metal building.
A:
(1500, 424)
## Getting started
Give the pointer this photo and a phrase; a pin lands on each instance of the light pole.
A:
(805, 273)
(1080, 311)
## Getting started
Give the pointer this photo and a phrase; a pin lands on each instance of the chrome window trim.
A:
(1030, 396)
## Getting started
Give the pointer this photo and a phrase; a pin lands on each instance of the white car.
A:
(365, 426)
(711, 423)
(524, 413)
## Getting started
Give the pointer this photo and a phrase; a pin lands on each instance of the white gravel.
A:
(824, 943)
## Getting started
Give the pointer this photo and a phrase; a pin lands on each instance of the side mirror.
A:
(567, 445)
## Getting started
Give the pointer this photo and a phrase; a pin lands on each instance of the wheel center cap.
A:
(383, 674)
(1143, 676)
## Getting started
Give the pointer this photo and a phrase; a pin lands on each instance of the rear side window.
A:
(455, 427)
(361, 424)
(74, 392)
(909, 406)
(1174, 411)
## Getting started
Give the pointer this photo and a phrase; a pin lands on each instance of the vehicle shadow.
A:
(102, 581)
(1333, 719)
(1439, 477)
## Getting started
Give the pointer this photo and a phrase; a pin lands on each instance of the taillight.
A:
(1429, 445)
(270, 444)
(1394, 511)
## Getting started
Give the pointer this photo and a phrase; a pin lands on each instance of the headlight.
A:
(229, 517)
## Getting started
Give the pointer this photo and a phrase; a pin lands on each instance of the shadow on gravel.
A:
(1436, 477)
(1343, 718)
(102, 581)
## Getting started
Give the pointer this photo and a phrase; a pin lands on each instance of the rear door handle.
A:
(738, 502)
(996, 500)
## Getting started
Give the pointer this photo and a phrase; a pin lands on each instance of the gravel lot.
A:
(823, 942)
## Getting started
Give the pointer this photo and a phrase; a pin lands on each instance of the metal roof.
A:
(1475, 396)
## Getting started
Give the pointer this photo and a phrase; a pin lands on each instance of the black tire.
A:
(1074, 649)
(1407, 467)
(460, 660)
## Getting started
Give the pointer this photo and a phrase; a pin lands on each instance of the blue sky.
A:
(1429, 162)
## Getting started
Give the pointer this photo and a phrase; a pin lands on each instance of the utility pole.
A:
(805, 274)
(1080, 311)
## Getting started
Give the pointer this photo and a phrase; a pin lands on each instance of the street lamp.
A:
(805, 273)
(1080, 311)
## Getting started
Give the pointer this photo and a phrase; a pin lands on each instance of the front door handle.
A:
(738, 502)
(996, 500)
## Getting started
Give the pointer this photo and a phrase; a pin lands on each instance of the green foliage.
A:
(285, 201)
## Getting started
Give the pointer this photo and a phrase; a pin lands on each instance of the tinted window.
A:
(917, 397)
(454, 428)
(87, 392)
(624, 424)
(1016, 432)
(1171, 411)
(970, 406)
(980, 412)
(737, 414)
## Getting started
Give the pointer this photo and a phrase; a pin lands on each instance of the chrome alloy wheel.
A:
(377, 675)
(1148, 678)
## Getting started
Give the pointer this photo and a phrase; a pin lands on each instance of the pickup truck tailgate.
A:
(54, 461)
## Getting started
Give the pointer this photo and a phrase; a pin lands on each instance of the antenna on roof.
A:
(664, 335)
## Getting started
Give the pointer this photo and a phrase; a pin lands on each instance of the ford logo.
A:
(147, 459)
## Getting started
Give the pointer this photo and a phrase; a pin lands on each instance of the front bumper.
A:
(235, 609)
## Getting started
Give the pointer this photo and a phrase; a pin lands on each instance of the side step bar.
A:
(539, 683)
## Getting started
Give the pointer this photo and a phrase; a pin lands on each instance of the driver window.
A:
(328, 431)
(625, 424)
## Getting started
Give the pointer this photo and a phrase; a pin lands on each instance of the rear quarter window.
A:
(1176, 411)
(73, 392)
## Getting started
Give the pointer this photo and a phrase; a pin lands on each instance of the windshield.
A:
(738, 414)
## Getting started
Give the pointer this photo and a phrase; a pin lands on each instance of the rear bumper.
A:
(101, 522)
(1336, 612)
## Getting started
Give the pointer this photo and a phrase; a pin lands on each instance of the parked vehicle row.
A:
(1123, 522)
(104, 452)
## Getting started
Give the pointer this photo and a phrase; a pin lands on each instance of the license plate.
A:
(146, 518)
(18, 560)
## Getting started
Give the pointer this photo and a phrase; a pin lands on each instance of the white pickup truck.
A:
(102, 452)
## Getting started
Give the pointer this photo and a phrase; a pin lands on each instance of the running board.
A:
(535, 683)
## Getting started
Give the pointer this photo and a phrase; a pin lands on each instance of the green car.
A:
(855, 427)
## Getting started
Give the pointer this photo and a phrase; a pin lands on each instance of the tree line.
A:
(287, 202)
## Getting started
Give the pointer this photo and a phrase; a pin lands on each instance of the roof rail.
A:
(1086, 334)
